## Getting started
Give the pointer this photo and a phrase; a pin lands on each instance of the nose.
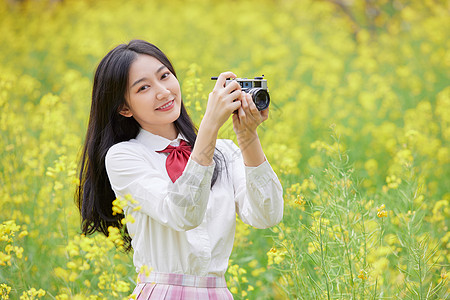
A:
(162, 92)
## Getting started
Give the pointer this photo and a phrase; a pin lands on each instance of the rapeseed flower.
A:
(393, 181)
(381, 213)
(32, 294)
(4, 291)
(362, 274)
(275, 256)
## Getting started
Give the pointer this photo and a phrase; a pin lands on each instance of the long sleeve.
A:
(180, 205)
(257, 191)
(187, 227)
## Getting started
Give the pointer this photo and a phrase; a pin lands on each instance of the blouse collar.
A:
(156, 142)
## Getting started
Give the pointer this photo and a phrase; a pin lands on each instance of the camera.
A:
(256, 87)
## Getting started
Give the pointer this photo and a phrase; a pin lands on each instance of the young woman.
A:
(186, 185)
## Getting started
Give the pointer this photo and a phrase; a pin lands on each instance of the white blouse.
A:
(187, 227)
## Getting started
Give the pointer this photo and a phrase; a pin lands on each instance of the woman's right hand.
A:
(222, 101)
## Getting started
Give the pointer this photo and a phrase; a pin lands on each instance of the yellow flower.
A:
(128, 219)
(73, 276)
(275, 256)
(4, 291)
(362, 274)
(381, 213)
(371, 166)
(300, 200)
(71, 265)
(118, 205)
(312, 247)
(32, 293)
(145, 270)
(23, 233)
(393, 181)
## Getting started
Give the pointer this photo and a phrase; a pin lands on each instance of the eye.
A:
(165, 75)
(144, 87)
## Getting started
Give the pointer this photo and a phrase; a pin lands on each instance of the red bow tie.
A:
(177, 159)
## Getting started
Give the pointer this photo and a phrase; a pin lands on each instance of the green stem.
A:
(365, 248)
(381, 231)
(323, 259)
(420, 279)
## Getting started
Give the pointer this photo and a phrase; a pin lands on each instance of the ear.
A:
(125, 111)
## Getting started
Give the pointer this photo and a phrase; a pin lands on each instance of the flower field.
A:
(358, 133)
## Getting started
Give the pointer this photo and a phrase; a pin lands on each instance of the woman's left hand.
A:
(248, 117)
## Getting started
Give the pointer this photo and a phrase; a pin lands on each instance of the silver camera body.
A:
(257, 88)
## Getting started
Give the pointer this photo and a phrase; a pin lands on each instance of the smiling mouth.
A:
(168, 104)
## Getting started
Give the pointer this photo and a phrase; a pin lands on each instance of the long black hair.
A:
(107, 127)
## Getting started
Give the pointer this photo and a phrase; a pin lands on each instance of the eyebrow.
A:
(145, 78)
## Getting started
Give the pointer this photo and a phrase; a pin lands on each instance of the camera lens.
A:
(260, 97)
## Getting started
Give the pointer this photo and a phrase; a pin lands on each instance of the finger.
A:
(242, 96)
(233, 96)
(241, 113)
(235, 119)
(234, 106)
(251, 110)
(265, 114)
(223, 78)
(245, 101)
(252, 105)
(232, 86)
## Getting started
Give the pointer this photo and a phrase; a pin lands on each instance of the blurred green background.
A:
(377, 72)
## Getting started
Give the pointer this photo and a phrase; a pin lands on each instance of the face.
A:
(153, 96)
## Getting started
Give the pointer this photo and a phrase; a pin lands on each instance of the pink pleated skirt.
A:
(180, 286)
